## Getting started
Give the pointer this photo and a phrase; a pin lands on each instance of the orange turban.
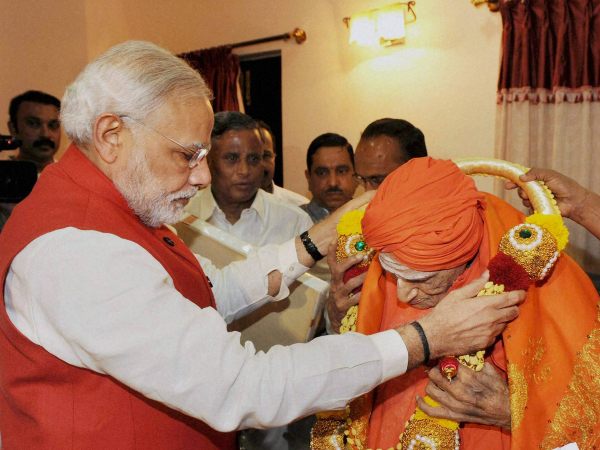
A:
(428, 214)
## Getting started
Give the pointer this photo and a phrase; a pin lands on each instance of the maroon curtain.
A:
(220, 67)
(550, 50)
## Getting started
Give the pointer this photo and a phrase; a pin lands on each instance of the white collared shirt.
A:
(288, 196)
(104, 303)
(267, 221)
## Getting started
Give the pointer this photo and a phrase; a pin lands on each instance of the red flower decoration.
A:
(505, 270)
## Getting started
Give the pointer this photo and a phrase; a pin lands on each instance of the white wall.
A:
(443, 79)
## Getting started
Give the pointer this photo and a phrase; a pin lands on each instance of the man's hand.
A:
(475, 397)
(323, 233)
(340, 298)
(462, 323)
(569, 195)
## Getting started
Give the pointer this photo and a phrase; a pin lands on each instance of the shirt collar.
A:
(259, 203)
(209, 204)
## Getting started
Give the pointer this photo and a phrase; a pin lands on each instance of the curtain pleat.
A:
(220, 68)
(549, 97)
(549, 43)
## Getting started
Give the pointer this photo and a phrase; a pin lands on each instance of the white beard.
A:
(144, 196)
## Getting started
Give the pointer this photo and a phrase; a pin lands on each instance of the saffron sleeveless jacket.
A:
(47, 403)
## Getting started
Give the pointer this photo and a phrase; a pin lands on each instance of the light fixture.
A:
(381, 26)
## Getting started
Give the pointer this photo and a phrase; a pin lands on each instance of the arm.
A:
(243, 286)
(462, 322)
(339, 299)
(103, 303)
(573, 200)
(266, 274)
(324, 233)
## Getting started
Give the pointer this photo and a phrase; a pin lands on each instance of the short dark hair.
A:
(30, 96)
(328, 140)
(232, 120)
(410, 139)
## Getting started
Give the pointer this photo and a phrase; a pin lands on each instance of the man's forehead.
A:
(39, 110)
(331, 156)
(379, 146)
(266, 136)
(376, 156)
(242, 140)
(340, 165)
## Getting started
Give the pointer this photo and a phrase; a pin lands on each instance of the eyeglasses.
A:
(374, 180)
(194, 153)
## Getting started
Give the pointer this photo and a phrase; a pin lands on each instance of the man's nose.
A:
(44, 130)
(333, 180)
(405, 291)
(243, 168)
(200, 175)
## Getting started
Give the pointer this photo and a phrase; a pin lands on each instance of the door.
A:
(260, 81)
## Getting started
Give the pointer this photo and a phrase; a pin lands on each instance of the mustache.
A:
(187, 194)
(334, 190)
(44, 142)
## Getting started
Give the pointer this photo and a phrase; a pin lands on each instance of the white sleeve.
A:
(241, 286)
(103, 303)
(304, 222)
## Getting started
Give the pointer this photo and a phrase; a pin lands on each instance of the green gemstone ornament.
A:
(525, 233)
(360, 246)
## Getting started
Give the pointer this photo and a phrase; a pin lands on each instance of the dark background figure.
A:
(385, 145)
(269, 163)
(329, 173)
(34, 120)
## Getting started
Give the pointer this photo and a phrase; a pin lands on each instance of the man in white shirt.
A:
(269, 157)
(111, 337)
(234, 201)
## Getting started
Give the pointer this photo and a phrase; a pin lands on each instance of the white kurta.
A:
(119, 314)
(267, 221)
(289, 196)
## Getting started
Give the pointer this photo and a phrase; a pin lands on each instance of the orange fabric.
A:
(542, 344)
(428, 214)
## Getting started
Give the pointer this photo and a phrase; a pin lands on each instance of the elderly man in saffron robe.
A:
(539, 387)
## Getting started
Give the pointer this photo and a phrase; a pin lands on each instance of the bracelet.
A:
(424, 341)
(310, 247)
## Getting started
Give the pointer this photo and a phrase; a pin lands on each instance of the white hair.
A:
(399, 270)
(133, 78)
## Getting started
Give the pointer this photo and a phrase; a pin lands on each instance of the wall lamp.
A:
(382, 26)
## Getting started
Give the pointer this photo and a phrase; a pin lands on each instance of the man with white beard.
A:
(111, 336)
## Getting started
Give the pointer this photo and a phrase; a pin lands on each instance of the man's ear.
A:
(11, 128)
(306, 174)
(107, 136)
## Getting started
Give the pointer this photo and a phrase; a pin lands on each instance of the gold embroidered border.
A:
(518, 395)
(578, 412)
(519, 378)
